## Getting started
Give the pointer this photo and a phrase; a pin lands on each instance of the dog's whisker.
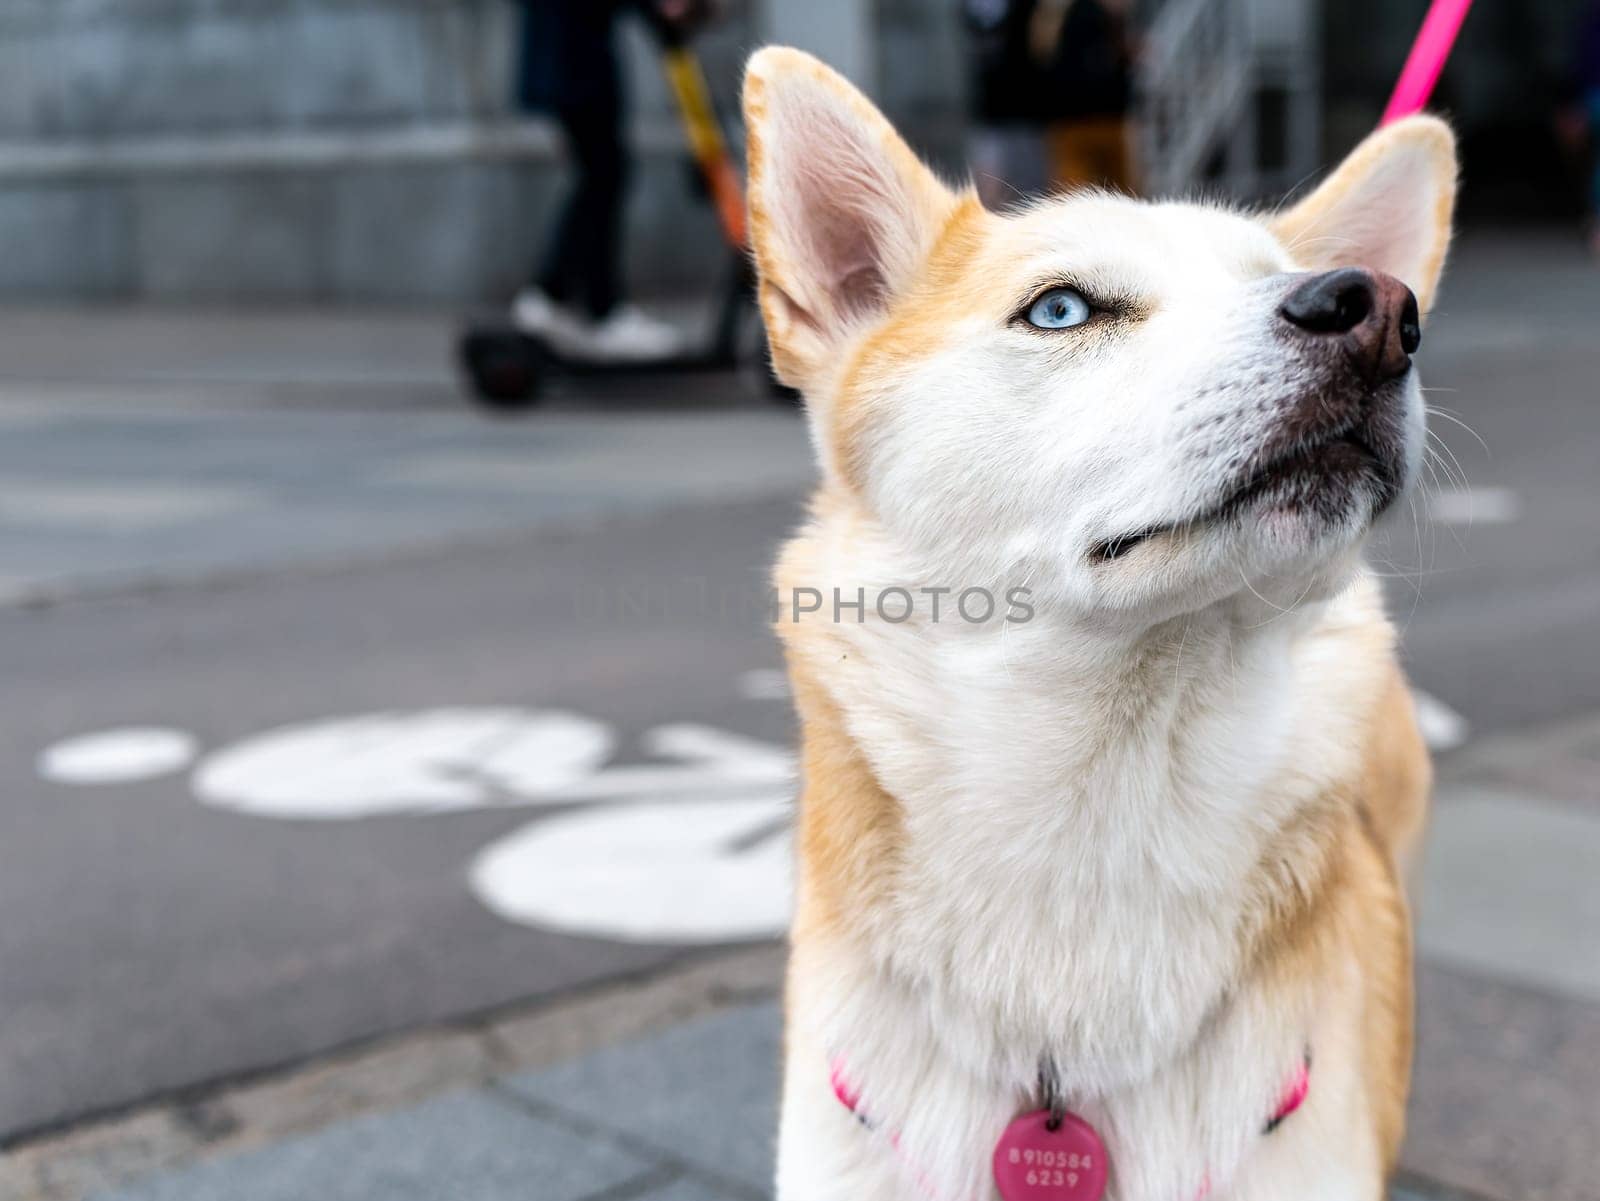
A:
(1435, 460)
(1434, 445)
(1436, 411)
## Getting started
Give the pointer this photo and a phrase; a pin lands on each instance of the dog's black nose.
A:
(1374, 314)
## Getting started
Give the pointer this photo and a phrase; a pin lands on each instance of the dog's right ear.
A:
(842, 212)
(1389, 206)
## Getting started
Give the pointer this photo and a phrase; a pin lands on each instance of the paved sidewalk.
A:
(686, 1115)
(408, 1117)
(664, 1089)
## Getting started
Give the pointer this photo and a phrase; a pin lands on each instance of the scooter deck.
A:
(508, 367)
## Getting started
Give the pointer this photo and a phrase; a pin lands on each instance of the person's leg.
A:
(596, 233)
(554, 272)
(581, 265)
(582, 270)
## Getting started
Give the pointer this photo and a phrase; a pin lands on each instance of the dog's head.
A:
(1129, 406)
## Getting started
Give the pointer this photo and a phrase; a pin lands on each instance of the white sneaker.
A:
(535, 313)
(629, 335)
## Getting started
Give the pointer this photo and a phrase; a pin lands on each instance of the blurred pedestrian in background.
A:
(1052, 96)
(1084, 52)
(1007, 148)
(569, 70)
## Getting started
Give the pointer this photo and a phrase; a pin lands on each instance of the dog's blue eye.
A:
(1059, 308)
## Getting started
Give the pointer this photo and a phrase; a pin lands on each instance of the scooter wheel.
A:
(504, 367)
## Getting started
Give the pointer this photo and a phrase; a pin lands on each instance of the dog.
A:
(1129, 855)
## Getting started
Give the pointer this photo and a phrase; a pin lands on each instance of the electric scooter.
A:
(506, 368)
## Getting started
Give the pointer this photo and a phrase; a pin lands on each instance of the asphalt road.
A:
(306, 551)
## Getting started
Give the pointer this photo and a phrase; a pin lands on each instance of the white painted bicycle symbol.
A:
(692, 847)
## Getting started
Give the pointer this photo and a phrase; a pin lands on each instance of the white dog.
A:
(1096, 890)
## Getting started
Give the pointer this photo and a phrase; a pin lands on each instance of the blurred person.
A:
(1084, 52)
(569, 70)
(1007, 144)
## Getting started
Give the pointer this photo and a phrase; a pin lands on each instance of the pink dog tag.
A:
(1034, 1163)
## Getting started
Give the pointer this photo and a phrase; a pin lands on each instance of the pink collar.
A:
(1293, 1096)
(1055, 1157)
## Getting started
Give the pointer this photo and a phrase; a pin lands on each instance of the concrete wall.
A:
(301, 150)
(364, 151)
(358, 150)
(118, 68)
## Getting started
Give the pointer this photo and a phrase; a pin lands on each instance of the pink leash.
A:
(1427, 59)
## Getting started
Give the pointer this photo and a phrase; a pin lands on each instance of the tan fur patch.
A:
(1398, 775)
(941, 295)
(850, 836)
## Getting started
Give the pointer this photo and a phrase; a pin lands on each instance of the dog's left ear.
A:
(842, 212)
(1388, 206)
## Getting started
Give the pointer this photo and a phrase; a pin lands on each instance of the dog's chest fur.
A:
(1090, 834)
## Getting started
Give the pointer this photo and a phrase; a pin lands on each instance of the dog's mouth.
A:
(1322, 475)
(1109, 550)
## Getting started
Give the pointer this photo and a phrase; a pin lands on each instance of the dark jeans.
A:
(581, 265)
